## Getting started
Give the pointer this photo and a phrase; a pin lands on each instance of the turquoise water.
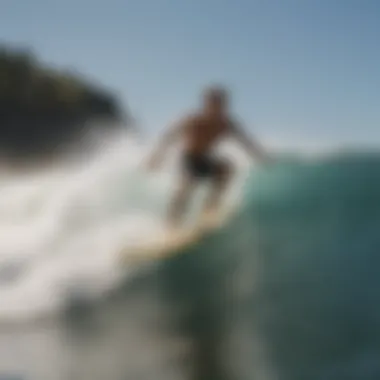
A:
(300, 266)
(288, 290)
(315, 237)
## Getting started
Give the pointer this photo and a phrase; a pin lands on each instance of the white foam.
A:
(62, 229)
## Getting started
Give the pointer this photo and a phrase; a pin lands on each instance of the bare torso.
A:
(203, 132)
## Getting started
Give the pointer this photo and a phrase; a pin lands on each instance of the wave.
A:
(291, 285)
(292, 280)
(63, 228)
(311, 261)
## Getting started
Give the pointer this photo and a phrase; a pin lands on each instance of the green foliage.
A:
(30, 86)
(38, 103)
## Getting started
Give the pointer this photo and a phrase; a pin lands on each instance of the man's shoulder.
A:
(233, 122)
(190, 115)
(196, 117)
(191, 118)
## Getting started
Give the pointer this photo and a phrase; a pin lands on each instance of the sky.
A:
(302, 73)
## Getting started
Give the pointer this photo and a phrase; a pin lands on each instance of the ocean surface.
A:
(289, 289)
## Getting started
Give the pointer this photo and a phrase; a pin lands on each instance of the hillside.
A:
(43, 108)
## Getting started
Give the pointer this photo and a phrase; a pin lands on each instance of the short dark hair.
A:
(216, 93)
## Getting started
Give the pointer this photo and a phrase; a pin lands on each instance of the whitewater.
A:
(289, 288)
(62, 228)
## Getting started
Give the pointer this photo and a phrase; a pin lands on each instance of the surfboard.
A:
(172, 240)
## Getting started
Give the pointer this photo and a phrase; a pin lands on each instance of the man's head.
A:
(215, 100)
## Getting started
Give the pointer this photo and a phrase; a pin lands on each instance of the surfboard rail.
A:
(171, 241)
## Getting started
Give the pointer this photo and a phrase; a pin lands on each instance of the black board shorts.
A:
(200, 166)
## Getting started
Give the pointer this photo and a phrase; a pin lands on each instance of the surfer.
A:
(201, 131)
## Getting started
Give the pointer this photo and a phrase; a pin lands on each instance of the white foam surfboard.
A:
(171, 241)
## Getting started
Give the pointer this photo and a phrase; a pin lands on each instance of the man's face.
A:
(216, 105)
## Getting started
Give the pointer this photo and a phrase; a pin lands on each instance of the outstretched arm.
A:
(169, 137)
(252, 146)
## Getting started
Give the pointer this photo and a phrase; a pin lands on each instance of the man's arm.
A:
(252, 146)
(168, 138)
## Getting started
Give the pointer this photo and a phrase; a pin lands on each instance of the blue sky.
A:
(301, 71)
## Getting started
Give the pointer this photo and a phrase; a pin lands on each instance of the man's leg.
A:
(180, 201)
(220, 180)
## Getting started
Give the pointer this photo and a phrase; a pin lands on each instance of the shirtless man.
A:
(201, 131)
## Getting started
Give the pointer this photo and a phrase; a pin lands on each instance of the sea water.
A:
(287, 290)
